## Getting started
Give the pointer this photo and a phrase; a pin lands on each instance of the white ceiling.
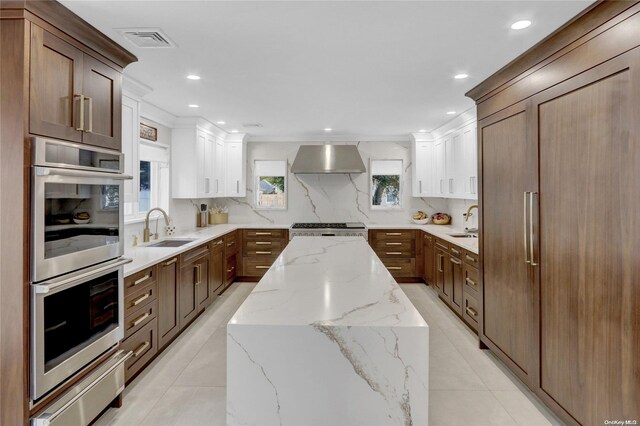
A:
(380, 69)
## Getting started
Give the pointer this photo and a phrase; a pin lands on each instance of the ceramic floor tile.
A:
(467, 408)
(447, 368)
(209, 366)
(136, 406)
(189, 406)
(526, 409)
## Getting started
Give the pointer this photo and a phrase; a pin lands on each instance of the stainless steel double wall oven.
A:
(76, 297)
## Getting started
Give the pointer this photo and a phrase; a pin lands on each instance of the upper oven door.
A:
(77, 219)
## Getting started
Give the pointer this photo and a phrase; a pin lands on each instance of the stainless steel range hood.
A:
(315, 159)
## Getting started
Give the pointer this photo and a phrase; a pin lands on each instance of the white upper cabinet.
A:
(130, 132)
(447, 166)
(205, 162)
(235, 176)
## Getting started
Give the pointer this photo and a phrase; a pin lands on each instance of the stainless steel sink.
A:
(172, 243)
(464, 235)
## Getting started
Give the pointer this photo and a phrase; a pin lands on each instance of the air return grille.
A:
(147, 37)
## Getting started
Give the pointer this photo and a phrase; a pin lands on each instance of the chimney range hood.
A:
(315, 159)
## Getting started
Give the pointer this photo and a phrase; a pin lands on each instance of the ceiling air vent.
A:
(147, 37)
(254, 125)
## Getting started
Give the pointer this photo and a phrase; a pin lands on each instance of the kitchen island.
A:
(327, 337)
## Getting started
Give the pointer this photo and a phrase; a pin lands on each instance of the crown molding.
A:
(236, 137)
(135, 87)
(154, 113)
(331, 138)
(467, 117)
(422, 137)
(202, 123)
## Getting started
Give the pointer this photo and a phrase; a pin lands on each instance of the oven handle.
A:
(49, 286)
(50, 171)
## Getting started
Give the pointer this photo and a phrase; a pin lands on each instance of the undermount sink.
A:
(464, 235)
(172, 243)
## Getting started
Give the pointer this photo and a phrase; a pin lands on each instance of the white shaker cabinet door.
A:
(423, 164)
(235, 173)
(130, 132)
(219, 169)
(470, 161)
(439, 160)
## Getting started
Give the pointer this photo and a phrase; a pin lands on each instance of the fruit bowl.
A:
(81, 221)
(420, 221)
(440, 219)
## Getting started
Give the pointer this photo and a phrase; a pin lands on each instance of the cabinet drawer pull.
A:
(141, 299)
(393, 234)
(231, 269)
(454, 251)
(141, 349)
(455, 261)
(393, 244)
(262, 267)
(219, 242)
(139, 319)
(141, 280)
(262, 233)
(440, 263)
(469, 258)
(394, 268)
(231, 243)
(471, 312)
(263, 243)
(397, 253)
(263, 252)
(171, 262)
(471, 282)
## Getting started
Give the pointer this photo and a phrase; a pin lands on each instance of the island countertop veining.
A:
(327, 337)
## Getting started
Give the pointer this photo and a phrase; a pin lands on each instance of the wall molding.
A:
(331, 138)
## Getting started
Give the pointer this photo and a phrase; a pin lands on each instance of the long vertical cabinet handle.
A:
(90, 129)
(81, 124)
(420, 191)
(525, 227)
(237, 187)
(531, 230)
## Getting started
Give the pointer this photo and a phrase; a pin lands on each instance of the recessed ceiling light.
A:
(194, 106)
(193, 77)
(460, 76)
(234, 131)
(422, 131)
(327, 129)
(220, 122)
(520, 25)
(450, 112)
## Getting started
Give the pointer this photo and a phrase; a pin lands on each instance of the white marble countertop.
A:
(328, 281)
(144, 256)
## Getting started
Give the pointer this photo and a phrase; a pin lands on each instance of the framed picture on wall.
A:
(149, 133)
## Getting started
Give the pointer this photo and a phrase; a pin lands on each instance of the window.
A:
(386, 179)
(271, 184)
(153, 180)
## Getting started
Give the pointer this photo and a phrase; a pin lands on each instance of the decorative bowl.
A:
(420, 221)
(81, 221)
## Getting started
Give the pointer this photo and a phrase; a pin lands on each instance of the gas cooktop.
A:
(320, 225)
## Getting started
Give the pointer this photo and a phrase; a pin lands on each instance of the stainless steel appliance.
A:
(320, 159)
(346, 229)
(82, 403)
(74, 319)
(77, 214)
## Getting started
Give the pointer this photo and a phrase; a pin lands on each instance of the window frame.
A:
(256, 183)
(400, 183)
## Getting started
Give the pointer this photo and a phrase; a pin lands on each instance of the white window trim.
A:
(256, 187)
(137, 216)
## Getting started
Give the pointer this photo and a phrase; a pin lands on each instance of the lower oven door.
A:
(74, 319)
(77, 220)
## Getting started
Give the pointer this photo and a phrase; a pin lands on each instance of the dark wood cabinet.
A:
(429, 259)
(456, 281)
(399, 251)
(168, 307)
(216, 268)
(72, 95)
(260, 248)
(559, 148)
(230, 269)
(194, 274)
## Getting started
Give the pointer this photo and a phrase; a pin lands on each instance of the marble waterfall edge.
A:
(327, 338)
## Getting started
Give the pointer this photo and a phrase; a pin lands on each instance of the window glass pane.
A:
(385, 183)
(145, 186)
(271, 184)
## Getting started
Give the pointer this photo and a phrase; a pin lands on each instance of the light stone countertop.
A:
(144, 257)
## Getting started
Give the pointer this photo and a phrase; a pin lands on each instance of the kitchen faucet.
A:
(468, 215)
(147, 232)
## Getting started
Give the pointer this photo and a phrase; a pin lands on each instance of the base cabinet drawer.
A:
(144, 345)
(256, 266)
(136, 299)
(264, 233)
(472, 281)
(139, 318)
(394, 248)
(470, 311)
(263, 245)
(400, 267)
(391, 234)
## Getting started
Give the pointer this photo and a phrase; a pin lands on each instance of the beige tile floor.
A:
(185, 385)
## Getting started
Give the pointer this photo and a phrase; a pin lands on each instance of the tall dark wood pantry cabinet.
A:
(559, 155)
